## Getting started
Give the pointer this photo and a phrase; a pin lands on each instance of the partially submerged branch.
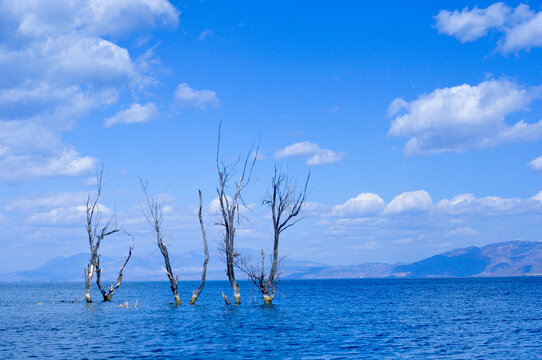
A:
(107, 295)
(286, 204)
(229, 209)
(196, 292)
(155, 217)
(95, 233)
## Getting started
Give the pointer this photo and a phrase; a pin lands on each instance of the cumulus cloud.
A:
(521, 26)
(325, 156)
(412, 201)
(61, 208)
(47, 201)
(525, 35)
(135, 114)
(469, 25)
(367, 205)
(363, 204)
(31, 151)
(201, 99)
(489, 205)
(94, 17)
(465, 117)
(297, 149)
(318, 156)
(60, 216)
(536, 164)
(58, 62)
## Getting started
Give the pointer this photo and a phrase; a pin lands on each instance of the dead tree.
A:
(286, 204)
(229, 211)
(107, 295)
(95, 233)
(196, 292)
(155, 217)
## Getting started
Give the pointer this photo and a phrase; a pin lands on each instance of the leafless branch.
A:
(155, 217)
(229, 207)
(96, 233)
(286, 204)
(196, 292)
(108, 295)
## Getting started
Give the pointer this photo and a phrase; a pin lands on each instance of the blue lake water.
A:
(326, 319)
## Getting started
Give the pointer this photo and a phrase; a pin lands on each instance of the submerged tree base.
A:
(177, 300)
(267, 300)
(193, 299)
(226, 299)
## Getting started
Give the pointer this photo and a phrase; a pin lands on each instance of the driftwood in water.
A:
(155, 217)
(229, 211)
(196, 292)
(95, 233)
(107, 295)
(285, 204)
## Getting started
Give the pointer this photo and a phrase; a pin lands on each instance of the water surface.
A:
(327, 319)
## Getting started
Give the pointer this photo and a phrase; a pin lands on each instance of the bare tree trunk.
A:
(172, 280)
(112, 288)
(196, 292)
(229, 211)
(285, 204)
(89, 273)
(95, 236)
(225, 299)
(155, 217)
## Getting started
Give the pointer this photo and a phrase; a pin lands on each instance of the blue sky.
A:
(420, 126)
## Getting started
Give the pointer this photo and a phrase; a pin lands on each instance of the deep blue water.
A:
(327, 319)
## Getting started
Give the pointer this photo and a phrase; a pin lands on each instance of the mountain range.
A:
(512, 258)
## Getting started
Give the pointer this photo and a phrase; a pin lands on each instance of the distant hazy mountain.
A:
(513, 258)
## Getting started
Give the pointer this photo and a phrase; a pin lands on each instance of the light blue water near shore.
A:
(328, 319)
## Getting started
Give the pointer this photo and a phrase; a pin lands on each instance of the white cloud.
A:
(198, 98)
(469, 25)
(214, 205)
(412, 201)
(73, 215)
(465, 117)
(311, 208)
(31, 151)
(135, 114)
(522, 27)
(205, 34)
(47, 201)
(297, 149)
(489, 205)
(61, 208)
(536, 164)
(325, 156)
(525, 35)
(362, 205)
(396, 106)
(318, 156)
(60, 68)
(93, 17)
(537, 197)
